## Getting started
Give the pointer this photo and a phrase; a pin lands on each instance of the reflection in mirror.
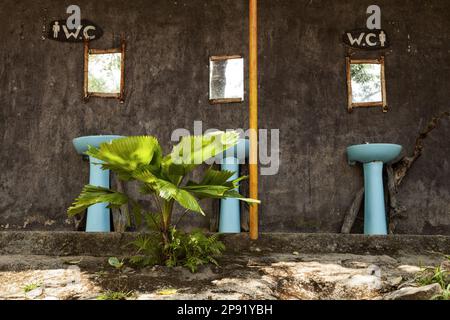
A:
(366, 84)
(226, 79)
(104, 72)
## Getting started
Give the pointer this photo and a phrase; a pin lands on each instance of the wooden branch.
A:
(401, 167)
(214, 216)
(86, 71)
(215, 210)
(121, 216)
(80, 222)
(350, 217)
(397, 172)
(395, 210)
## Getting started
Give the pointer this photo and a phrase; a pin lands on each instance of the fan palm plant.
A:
(140, 158)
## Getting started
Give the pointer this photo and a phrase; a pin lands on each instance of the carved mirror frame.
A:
(351, 104)
(87, 51)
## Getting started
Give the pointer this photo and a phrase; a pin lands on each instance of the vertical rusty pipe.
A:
(253, 114)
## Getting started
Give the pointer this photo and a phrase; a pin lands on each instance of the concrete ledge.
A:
(116, 244)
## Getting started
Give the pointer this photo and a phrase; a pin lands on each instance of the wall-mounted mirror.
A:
(226, 79)
(366, 83)
(104, 72)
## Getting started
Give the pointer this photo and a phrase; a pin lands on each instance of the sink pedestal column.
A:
(98, 215)
(230, 211)
(374, 210)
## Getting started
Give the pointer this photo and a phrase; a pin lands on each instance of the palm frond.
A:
(125, 155)
(169, 191)
(195, 150)
(216, 177)
(214, 184)
(237, 195)
(207, 191)
(92, 195)
(166, 190)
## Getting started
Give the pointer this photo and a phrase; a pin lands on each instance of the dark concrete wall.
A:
(303, 93)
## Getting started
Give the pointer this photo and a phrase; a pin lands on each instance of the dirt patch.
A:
(255, 276)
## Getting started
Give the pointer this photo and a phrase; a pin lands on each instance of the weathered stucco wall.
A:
(303, 93)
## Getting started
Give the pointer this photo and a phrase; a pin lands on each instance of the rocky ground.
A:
(255, 275)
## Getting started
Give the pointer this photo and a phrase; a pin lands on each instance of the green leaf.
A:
(237, 195)
(114, 262)
(125, 155)
(194, 150)
(166, 190)
(214, 184)
(146, 188)
(92, 195)
(216, 177)
(153, 221)
(201, 192)
(136, 209)
(236, 181)
(145, 175)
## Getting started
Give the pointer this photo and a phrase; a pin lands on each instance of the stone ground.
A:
(73, 265)
(255, 275)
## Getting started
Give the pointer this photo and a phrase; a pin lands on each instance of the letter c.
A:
(86, 30)
(368, 37)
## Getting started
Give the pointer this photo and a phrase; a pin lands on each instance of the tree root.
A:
(350, 218)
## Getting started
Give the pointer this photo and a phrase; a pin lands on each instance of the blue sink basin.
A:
(384, 152)
(81, 144)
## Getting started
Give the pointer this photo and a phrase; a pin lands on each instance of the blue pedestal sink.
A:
(373, 156)
(230, 212)
(98, 215)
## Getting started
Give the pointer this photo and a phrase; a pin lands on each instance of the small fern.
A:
(189, 250)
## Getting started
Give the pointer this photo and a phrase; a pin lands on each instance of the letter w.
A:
(72, 34)
(353, 41)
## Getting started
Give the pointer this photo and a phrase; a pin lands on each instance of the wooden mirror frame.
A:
(225, 100)
(351, 104)
(87, 51)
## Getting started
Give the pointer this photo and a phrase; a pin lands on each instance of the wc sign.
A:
(372, 37)
(74, 29)
(366, 39)
(86, 30)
